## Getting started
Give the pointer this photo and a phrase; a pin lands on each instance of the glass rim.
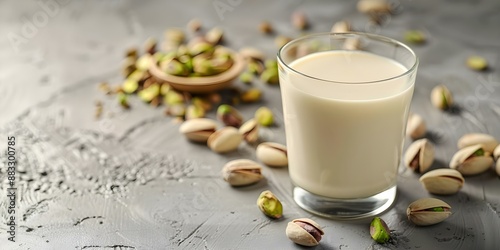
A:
(373, 36)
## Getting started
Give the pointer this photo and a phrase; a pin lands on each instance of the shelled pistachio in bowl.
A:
(200, 65)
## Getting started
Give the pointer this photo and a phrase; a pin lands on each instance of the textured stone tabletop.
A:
(130, 181)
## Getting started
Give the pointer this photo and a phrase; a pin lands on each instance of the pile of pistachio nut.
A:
(476, 154)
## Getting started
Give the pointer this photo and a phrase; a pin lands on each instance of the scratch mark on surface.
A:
(86, 218)
(36, 208)
(139, 125)
(109, 246)
(191, 233)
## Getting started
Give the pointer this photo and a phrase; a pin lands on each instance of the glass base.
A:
(344, 208)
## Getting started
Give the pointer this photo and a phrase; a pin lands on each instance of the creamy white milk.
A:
(345, 139)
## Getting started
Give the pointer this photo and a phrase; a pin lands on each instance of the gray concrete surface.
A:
(130, 181)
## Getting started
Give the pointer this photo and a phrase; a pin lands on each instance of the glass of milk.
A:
(345, 103)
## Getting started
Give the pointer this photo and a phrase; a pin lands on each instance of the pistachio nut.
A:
(225, 140)
(214, 36)
(173, 97)
(270, 76)
(246, 77)
(374, 6)
(270, 205)
(441, 97)
(128, 66)
(251, 95)
(272, 154)
(471, 160)
(271, 64)
(202, 102)
(415, 36)
(144, 62)
(194, 25)
(199, 129)
(496, 153)
(176, 109)
(442, 181)
(341, 27)
(150, 45)
(265, 27)
(123, 100)
(352, 43)
(299, 20)
(174, 67)
(149, 93)
(264, 116)
(379, 230)
(489, 142)
(194, 111)
(129, 86)
(242, 172)
(229, 116)
(415, 127)
(428, 211)
(131, 53)
(251, 53)
(419, 156)
(281, 40)
(255, 67)
(174, 36)
(304, 231)
(250, 131)
(201, 48)
(137, 75)
(477, 63)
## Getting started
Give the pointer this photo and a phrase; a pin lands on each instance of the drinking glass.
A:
(345, 101)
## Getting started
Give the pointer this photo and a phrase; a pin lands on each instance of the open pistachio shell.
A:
(272, 154)
(242, 172)
(489, 142)
(442, 181)
(225, 140)
(250, 131)
(373, 6)
(415, 127)
(198, 129)
(496, 153)
(441, 97)
(305, 232)
(419, 156)
(428, 211)
(467, 163)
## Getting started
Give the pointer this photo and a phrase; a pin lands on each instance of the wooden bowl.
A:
(201, 84)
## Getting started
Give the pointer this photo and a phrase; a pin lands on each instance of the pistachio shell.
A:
(272, 154)
(489, 142)
(352, 43)
(250, 131)
(224, 140)
(468, 164)
(215, 35)
(341, 27)
(442, 181)
(496, 153)
(198, 129)
(296, 233)
(415, 127)
(374, 6)
(242, 172)
(419, 156)
(441, 97)
(420, 211)
(251, 53)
